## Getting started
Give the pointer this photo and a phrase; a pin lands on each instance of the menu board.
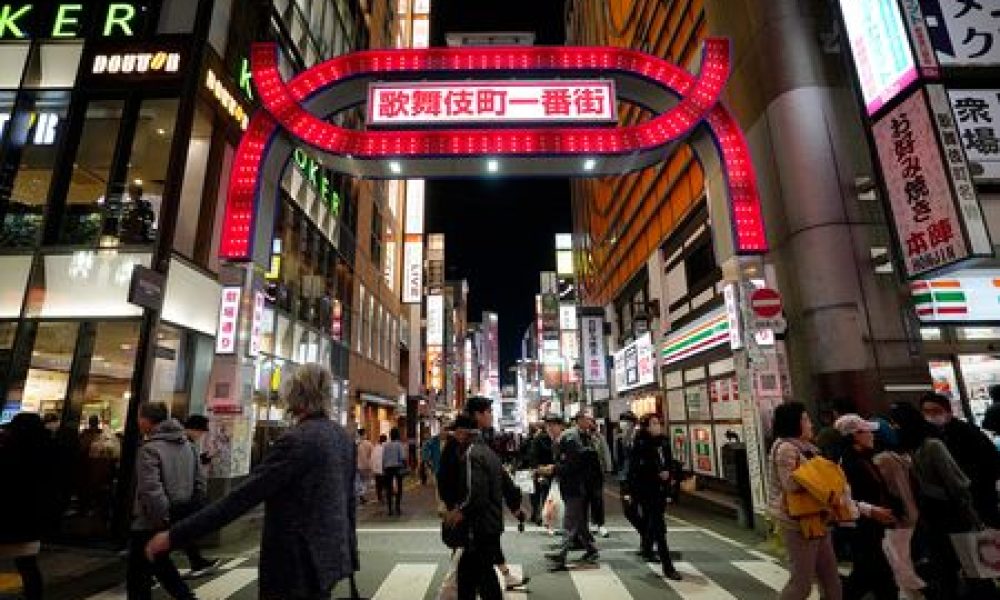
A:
(703, 449)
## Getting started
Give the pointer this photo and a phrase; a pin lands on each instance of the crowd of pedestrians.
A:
(905, 490)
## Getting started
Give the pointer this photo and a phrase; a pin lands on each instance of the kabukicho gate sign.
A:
(444, 112)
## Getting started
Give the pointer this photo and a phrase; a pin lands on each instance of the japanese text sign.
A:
(978, 115)
(491, 102)
(229, 316)
(880, 49)
(923, 207)
(964, 32)
(256, 323)
(595, 365)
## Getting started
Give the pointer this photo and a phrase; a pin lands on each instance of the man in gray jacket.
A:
(168, 479)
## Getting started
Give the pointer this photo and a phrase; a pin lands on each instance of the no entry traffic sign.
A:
(765, 303)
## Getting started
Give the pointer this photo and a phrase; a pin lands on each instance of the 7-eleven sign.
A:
(939, 299)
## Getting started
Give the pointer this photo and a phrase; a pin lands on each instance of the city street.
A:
(402, 558)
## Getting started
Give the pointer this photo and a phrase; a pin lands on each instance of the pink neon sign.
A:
(699, 102)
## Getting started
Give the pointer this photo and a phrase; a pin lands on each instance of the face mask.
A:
(939, 420)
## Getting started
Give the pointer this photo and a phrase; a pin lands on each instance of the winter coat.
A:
(28, 508)
(168, 474)
(570, 461)
(486, 487)
(897, 471)
(978, 458)
(623, 456)
(306, 481)
(944, 488)
(541, 451)
(868, 486)
(650, 456)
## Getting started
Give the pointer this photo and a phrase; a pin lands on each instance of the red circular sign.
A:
(765, 303)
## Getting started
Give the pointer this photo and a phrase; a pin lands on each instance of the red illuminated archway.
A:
(296, 111)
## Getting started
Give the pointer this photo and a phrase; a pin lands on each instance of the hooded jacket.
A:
(167, 474)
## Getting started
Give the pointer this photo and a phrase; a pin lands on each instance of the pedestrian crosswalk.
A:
(618, 578)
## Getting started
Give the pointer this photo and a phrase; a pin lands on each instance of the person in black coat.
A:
(306, 481)
(540, 454)
(29, 507)
(870, 570)
(649, 476)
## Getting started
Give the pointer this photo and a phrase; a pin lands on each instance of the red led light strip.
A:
(699, 102)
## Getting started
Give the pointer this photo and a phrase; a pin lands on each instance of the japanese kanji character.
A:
(903, 145)
(986, 36)
(458, 102)
(589, 101)
(973, 109)
(556, 102)
(940, 232)
(944, 121)
(982, 140)
(900, 125)
(915, 244)
(921, 210)
(491, 101)
(967, 7)
(393, 104)
(911, 167)
(960, 173)
(955, 155)
(949, 137)
(426, 102)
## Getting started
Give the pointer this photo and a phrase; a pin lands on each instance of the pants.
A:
(633, 513)
(379, 486)
(139, 578)
(31, 576)
(537, 498)
(595, 501)
(870, 570)
(808, 560)
(897, 545)
(655, 526)
(393, 487)
(476, 575)
(576, 524)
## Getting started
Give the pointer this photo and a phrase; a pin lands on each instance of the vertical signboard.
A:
(229, 315)
(931, 232)
(595, 371)
(964, 32)
(413, 242)
(880, 49)
(255, 323)
(978, 115)
(435, 320)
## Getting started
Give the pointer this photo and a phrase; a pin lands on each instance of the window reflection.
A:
(47, 383)
(53, 65)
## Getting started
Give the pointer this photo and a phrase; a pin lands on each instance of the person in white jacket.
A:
(376, 461)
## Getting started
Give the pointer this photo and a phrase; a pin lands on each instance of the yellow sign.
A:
(226, 99)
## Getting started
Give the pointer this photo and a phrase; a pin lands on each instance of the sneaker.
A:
(557, 557)
(204, 569)
(603, 531)
(590, 555)
(511, 581)
(671, 573)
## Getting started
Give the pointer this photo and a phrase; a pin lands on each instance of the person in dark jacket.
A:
(480, 513)
(306, 481)
(196, 428)
(623, 456)
(972, 450)
(569, 468)
(870, 570)
(28, 508)
(540, 454)
(649, 475)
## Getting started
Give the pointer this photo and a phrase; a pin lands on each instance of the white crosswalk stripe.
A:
(598, 583)
(407, 581)
(694, 585)
(227, 584)
(769, 573)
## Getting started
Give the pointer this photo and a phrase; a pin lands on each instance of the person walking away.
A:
(540, 455)
(196, 429)
(945, 499)
(169, 480)
(394, 467)
(870, 569)
(973, 451)
(623, 457)
(480, 408)
(809, 558)
(378, 471)
(649, 481)
(897, 472)
(365, 449)
(86, 484)
(306, 482)
(595, 461)
(29, 509)
(569, 468)
(430, 454)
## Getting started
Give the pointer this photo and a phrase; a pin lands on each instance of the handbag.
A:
(979, 553)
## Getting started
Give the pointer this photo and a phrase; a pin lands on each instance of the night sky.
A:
(500, 232)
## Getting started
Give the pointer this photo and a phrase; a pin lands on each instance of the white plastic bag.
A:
(524, 480)
(553, 509)
(449, 585)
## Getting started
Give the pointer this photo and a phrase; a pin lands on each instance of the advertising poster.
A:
(945, 383)
(880, 48)
(964, 32)
(977, 113)
(681, 447)
(703, 449)
(725, 397)
(698, 403)
(676, 412)
(595, 366)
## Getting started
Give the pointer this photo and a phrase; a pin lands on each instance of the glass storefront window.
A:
(47, 383)
(35, 136)
(12, 57)
(139, 203)
(977, 333)
(85, 200)
(53, 65)
(945, 383)
(931, 334)
(979, 372)
(106, 387)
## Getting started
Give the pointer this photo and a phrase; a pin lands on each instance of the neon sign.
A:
(137, 63)
(318, 178)
(592, 150)
(18, 20)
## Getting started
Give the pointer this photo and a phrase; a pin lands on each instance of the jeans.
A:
(139, 577)
(577, 525)
(476, 575)
(393, 487)
(808, 560)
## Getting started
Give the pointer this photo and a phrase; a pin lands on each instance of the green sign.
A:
(318, 178)
(246, 79)
(20, 20)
